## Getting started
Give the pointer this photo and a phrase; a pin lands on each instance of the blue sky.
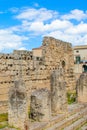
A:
(24, 23)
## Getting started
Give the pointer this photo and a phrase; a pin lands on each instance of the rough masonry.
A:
(82, 88)
(36, 70)
(18, 106)
(58, 92)
(40, 107)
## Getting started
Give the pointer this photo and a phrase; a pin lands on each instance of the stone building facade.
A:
(80, 58)
(36, 70)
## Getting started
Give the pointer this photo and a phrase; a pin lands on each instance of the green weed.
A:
(71, 97)
(3, 117)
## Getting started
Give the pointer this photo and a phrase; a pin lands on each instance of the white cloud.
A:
(75, 14)
(54, 25)
(74, 39)
(22, 48)
(41, 14)
(37, 26)
(77, 29)
(9, 40)
(41, 22)
(47, 22)
(59, 24)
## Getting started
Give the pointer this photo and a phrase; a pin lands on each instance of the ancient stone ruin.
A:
(18, 106)
(41, 86)
(36, 70)
(45, 103)
(82, 88)
(44, 83)
(40, 105)
(58, 92)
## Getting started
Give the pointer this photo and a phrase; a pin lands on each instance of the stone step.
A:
(77, 124)
(45, 125)
(74, 108)
(61, 118)
(84, 127)
(67, 121)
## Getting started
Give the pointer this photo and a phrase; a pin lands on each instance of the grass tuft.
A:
(3, 117)
(3, 124)
(71, 97)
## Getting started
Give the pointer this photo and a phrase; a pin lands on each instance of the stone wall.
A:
(57, 54)
(44, 103)
(36, 71)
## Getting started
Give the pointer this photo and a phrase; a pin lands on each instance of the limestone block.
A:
(41, 105)
(58, 93)
(82, 88)
(18, 107)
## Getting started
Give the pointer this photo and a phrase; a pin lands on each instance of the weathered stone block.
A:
(41, 105)
(18, 107)
(82, 88)
(58, 92)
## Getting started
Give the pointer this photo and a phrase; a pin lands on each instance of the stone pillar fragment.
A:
(18, 108)
(82, 88)
(41, 105)
(58, 92)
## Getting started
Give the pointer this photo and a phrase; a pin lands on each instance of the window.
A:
(78, 59)
(37, 58)
(63, 64)
(84, 68)
(77, 51)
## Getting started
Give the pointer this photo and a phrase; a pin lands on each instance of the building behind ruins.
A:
(80, 53)
(80, 57)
